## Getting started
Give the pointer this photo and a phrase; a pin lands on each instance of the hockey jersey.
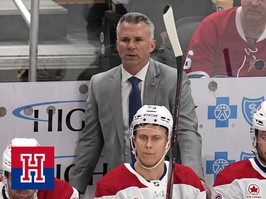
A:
(242, 179)
(219, 48)
(124, 182)
(62, 190)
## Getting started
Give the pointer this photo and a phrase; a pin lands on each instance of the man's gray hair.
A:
(135, 17)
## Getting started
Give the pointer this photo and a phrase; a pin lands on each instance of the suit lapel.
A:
(114, 94)
(151, 83)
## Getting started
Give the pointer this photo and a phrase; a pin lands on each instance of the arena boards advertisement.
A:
(53, 113)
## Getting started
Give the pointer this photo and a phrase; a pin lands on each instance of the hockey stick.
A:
(169, 22)
(227, 62)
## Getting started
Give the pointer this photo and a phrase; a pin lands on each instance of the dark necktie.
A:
(134, 98)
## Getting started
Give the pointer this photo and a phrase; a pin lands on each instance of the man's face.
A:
(134, 45)
(19, 194)
(254, 11)
(150, 142)
(261, 146)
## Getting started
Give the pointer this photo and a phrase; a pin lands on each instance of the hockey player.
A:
(150, 135)
(246, 178)
(62, 190)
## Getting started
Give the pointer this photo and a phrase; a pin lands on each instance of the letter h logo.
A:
(32, 162)
(32, 167)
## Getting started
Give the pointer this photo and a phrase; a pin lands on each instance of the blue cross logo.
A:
(218, 164)
(222, 112)
(249, 107)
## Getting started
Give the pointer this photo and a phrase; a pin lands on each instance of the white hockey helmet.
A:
(153, 114)
(6, 161)
(259, 118)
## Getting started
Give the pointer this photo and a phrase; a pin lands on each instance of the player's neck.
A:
(261, 161)
(150, 174)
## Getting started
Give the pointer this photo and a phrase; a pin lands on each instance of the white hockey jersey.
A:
(62, 190)
(243, 179)
(125, 183)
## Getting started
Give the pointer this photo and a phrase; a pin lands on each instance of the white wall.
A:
(224, 109)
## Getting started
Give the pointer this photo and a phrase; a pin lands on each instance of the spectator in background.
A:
(43, 75)
(231, 42)
(150, 136)
(246, 178)
(61, 190)
(107, 115)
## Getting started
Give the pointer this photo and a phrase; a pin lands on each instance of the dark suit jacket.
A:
(104, 120)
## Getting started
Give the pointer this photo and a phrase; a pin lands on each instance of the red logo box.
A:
(32, 167)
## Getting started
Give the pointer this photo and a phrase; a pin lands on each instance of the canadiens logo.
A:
(253, 189)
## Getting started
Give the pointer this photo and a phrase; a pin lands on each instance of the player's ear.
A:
(152, 45)
(134, 139)
(254, 141)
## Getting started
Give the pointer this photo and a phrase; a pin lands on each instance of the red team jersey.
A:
(243, 179)
(62, 190)
(219, 47)
(124, 182)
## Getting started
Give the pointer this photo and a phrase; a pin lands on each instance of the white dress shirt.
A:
(125, 91)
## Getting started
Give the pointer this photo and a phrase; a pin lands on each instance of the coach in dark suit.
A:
(107, 114)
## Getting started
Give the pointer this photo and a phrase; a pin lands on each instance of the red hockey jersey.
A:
(124, 182)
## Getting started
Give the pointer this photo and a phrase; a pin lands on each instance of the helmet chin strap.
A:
(149, 168)
(5, 187)
(254, 143)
